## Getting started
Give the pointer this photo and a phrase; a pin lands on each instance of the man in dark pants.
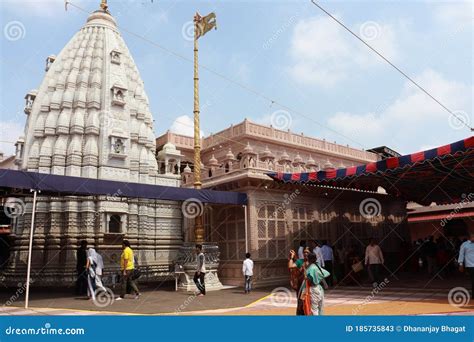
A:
(81, 261)
(200, 271)
(328, 256)
(466, 259)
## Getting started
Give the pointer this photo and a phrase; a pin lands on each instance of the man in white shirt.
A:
(328, 257)
(373, 259)
(319, 254)
(247, 270)
(301, 249)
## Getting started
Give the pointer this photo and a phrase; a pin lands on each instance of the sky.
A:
(284, 63)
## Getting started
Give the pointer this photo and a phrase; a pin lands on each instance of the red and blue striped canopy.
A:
(443, 175)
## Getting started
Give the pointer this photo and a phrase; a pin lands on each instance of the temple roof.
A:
(91, 91)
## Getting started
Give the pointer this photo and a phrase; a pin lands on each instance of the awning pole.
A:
(246, 236)
(30, 250)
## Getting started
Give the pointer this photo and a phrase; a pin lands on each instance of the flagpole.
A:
(198, 227)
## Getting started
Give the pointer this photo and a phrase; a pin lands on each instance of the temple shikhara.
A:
(90, 118)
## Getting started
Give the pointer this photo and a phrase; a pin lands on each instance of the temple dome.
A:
(92, 88)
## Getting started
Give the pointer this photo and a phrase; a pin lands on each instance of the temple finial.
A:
(104, 6)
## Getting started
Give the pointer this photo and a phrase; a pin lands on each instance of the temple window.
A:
(115, 56)
(271, 232)
(118, 147)
(49, 61)
(115, 224)
(118, 95)
(29, 99)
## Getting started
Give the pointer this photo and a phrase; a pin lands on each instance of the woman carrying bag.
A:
(312, 291)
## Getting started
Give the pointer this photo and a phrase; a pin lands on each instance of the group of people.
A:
(90, 267)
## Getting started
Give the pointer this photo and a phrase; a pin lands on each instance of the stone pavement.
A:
(275, 301)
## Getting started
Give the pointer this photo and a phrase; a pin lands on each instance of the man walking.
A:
(127, 266)
(328, 257)
(373, 259)
(466, 259)
(247, 269)
(200, 271)
(81, 261)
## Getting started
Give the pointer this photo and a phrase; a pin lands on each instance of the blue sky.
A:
(287, 50)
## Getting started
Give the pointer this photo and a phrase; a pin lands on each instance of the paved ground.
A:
(408, 297)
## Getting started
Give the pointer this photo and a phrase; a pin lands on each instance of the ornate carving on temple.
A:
(187, 175)
(115, 56)
(228, 161)
(328, 165)
(268, 158)
(169, 159)
(249, 157)
(212, 165)
(311, 164)
(29, 99)
(118, 95)
(49, 61)
(298, 163)
(285, 161)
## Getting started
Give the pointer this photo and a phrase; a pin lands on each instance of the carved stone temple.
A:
(90, 118)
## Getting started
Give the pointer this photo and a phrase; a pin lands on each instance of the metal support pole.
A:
(246, 233)
(30, 250)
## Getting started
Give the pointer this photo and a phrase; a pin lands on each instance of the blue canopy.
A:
(14, 181)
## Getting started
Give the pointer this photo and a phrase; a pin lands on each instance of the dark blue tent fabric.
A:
(50, 184)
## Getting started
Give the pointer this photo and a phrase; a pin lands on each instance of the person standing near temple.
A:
(319, 254)
(127, 266)
(466, 259)
(328, 257)
(81, 261)
(373, 259)
(200, 271)
(247, 269)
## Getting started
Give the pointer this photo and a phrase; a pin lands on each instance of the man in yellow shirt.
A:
(127, 265)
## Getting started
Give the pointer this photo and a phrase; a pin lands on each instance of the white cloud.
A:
(9, 133)
(184, 125)
(323, 53)
(411, 121)
(455, 13)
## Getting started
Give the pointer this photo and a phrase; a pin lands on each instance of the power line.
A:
(393, 65)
